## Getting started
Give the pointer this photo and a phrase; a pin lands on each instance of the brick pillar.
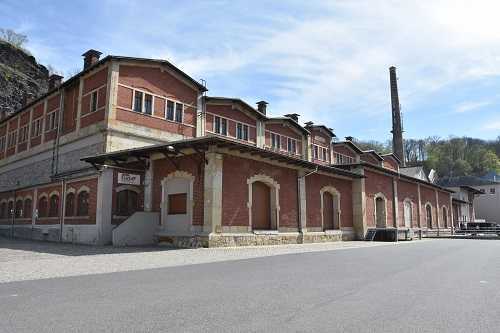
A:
(201, 120)
(104, 206)
(212, 219)
(302, 202)
(419, 210)
(359, 205)
(148, 187)
(395, 203)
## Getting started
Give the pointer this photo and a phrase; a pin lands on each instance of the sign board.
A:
(129, 178)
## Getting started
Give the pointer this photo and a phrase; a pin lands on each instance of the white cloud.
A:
(471, 106)
(492, 126)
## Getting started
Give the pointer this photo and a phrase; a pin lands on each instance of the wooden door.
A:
(261, 206)
(328, 211)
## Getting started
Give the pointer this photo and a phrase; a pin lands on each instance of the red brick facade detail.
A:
(376, 183)
(314, 184)
(236, 171)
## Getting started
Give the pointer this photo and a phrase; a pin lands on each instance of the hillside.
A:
(21, 77)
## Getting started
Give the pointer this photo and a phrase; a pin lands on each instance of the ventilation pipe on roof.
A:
(349, 138)
(293, 116)
(90, 57)
(262, 106)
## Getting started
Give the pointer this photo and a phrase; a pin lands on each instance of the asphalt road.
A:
(427, 286)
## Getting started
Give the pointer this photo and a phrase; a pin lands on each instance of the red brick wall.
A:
(162, 168)
(95, 81)
(444, 200)
(47, 190)
(369, 158)
(161, 83)
(344, 150)
(389, 163)
(314, 184)
(3, 133)
(428, 195)
(92, 201)
(375, 183)
(408, 190)
(70, 108)
(235, 173)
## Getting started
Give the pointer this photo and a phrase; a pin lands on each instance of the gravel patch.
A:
(22, 260)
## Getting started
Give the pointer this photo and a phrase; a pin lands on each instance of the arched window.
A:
(27, 208)
(83, 204)
(19, 208)
(127, 202)
(428, 216)
(42, 207)
(70, 204)
(54, 205)
(380, 211)
(10, 210)
(3, 210)
(408, 213)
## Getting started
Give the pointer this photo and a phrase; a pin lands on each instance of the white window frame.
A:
(12, 139)
(166, 110)
(37, 127)
(221, 120)
(3, 143)
(242, 129)
(51, 121)
(94, 98)
(23, 134)
(291, 145)
(176, 113)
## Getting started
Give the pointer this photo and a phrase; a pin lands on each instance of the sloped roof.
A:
(465, 181)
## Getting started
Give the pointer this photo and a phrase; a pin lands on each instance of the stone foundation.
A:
(251, 239)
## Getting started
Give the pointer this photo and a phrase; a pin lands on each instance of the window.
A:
(315, 152)
(170, 110)
(23, 134)
(54, 206)
(2, 143)
(275, 141)
(37, 127)
(127, 202)
(178, 112)
(220, 125)
(292, 145)
(93, 101)
(42, 207)
(82, 208)
(52, 120)
(70, 205)
(3, 210)
(492, 190)
(19, 208)
(148, 104)
(177, 204)
(342, 159)
(11, 140)
(482, 190)
(27, 208)
(138, 101)
(242, 131)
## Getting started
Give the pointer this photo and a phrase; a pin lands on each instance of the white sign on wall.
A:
(129, 178)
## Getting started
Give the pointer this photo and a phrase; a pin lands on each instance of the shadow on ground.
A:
(66, 249)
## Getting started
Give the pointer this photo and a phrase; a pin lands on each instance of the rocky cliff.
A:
(21, 78)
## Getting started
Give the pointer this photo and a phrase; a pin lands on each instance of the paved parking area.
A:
(28, 260)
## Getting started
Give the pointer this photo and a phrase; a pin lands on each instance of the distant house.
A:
(487, 205)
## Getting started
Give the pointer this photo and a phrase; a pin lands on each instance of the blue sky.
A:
(325, 60)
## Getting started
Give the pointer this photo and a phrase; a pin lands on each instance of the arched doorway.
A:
(428, 215)
(380, 212)
(261, 206)
(408, 213)
(445, 217)
(330, 208)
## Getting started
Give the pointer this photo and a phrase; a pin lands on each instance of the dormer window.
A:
(275, 141)
(93, 101)
(220, 125)
(292, 145)
(242, 131)
(138, 101)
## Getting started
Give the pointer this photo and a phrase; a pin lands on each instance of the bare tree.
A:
(12, 37)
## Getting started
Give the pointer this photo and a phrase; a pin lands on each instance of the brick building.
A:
(132, 151)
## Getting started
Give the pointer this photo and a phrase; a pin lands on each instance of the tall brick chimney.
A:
(54, 81)
(397, 127)
(90, 57)
(262, 106)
